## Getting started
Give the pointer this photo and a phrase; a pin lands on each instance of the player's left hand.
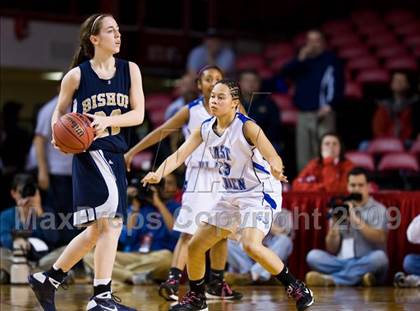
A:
(99, 123)
(151, 178)
(278, 173)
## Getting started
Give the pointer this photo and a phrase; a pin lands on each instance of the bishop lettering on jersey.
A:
(105, 99)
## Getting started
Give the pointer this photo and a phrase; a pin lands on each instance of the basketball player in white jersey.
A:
(199, 190)
(243, 209)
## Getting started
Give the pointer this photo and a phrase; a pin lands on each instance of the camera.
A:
(338, 206)
(27, 187)
(143, 194)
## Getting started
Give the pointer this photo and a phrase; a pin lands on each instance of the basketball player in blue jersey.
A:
(109, 90)
(199, 190)
(242, 210)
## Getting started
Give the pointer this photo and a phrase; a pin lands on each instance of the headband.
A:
(95, 21)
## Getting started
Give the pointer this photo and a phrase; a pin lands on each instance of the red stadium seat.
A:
(361, 159)
(363, 16)
(283, 101)
(337, 26)
(352, 51)
(373, 76)
(391, 51)
(371, 30)
(367, 62)
(401, 63)
(416, 51)
(385, 145)
(399, 17)
(280, 49)
(157, 117)
(289, 117)
(399, 162)
(299, 40)
(142, 161)
(415, 148)
(346, 40)
(250, 61)
(382, 40)
(412, 28)
(157, 101)
(278, 63)
(265, 73)
(353, 91)
(412, 40)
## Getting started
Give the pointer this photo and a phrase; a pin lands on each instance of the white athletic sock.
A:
(97, 282)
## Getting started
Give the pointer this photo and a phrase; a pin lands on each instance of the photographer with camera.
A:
(147, 239)
(20, 228)
(355, 242)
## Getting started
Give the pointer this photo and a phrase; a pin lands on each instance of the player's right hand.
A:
(56, 147)
(128, 158)
(151, 178)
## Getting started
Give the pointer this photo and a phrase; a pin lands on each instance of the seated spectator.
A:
(411, 261)
(187, 89)
(392, 117)
(329, 171)
(147, 239)
(211, 53)
(355, 242)
(27, 215)
(246, 270)
(260, 107)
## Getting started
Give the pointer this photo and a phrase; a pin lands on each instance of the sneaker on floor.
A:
(222, 291)
(302, 294)
(44, 288)
(169, 290)
(368, 280)
(314, 278)
(405, 281)
(191, 302)
(106, 302)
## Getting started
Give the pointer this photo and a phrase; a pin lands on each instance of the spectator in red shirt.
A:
(329, 171)
(393, 116)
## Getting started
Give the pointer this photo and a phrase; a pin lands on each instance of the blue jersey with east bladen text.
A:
(105, 97)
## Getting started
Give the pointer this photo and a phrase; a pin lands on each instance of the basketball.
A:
(72, 133)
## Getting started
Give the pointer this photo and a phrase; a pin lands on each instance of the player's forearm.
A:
(130, 118)
(56, 115)
(151, 139)
(39, 143)
(170, 164)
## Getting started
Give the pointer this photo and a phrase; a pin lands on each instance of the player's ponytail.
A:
(86, 50)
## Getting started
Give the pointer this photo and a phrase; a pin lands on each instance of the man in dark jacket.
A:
(260, 107)
(319, 83)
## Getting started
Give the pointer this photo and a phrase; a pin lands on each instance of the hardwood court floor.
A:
(265, 298)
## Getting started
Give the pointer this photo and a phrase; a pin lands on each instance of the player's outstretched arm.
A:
(158, 134)
(256, 135)
(175, 159)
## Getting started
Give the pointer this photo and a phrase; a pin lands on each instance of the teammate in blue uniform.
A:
(108, 90)
(243, 209)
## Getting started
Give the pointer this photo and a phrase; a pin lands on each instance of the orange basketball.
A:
(73, 133)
